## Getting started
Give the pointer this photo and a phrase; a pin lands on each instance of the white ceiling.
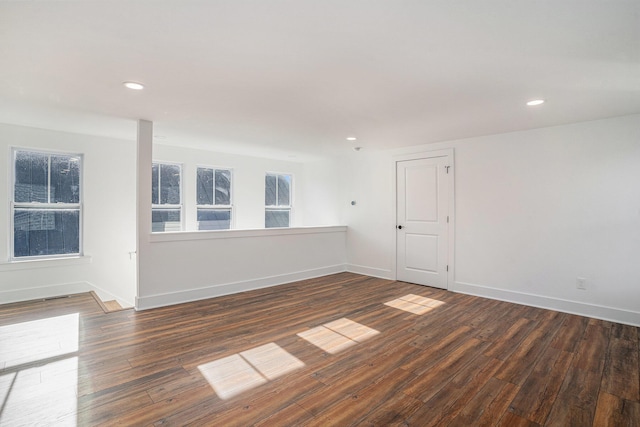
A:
(292, 78)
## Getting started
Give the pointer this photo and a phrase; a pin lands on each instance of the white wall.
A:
(534, 211)
(188, 266)
(180, 267)
(368, 176)
(109, 220)
(325, 193)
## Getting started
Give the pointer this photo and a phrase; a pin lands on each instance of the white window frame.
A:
(13, 205)
(167, 206)
(288, 207)
(215, 206)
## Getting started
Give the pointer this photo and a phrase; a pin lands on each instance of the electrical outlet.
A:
(581, 283)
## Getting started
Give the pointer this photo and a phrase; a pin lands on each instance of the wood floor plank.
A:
(96, 413)
(592, 350)
(148, 414)
(570, 333)
(511, 420)
(248, 359)
(352, 379)
(539, 391)
(511, 339)
(429, 382)
(488, 405)
(355, 408)
(624, 332)
(273, 398)
(166, 389)
(518, 367)
(327, 397)
(576, 401)
(613, 411)
(435, 350)
(447, 403)
(394, 411)
(503, 318)
(621, 370)
(291, 415)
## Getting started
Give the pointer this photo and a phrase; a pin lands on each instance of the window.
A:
(166, 209)
(46, 205)
(214, 199)
(277, 200)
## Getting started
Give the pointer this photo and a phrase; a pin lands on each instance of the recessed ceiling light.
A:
(535, 102)
(133, 85)
(351, 138)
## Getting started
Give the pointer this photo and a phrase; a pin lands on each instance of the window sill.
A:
(174, 236)
(44, 263)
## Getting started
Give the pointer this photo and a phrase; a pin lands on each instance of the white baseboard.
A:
(161, 300)
(51, 291)
(566, 306)
(43, 292)
(371, 271)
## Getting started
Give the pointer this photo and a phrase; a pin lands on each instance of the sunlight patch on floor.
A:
(243, 371)
(39, 365)
(41, 339)
(414, 304)
(333, 337)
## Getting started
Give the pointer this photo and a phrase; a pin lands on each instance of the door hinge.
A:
(447, 219)
(447, 268)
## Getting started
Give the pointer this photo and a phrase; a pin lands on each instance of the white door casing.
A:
(422, 220)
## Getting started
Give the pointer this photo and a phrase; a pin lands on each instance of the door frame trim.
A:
(447, 152)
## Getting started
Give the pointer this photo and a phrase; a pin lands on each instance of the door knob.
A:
(399, 227)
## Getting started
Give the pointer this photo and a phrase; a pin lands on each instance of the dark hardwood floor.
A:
(335, 351)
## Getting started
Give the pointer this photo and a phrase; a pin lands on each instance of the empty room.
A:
(320, 213)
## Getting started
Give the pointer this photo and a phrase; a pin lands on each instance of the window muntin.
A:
(166, 199)
(277, 200)
(214, 198)
(46, 209)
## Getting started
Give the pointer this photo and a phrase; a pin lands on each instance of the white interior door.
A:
(422, 221)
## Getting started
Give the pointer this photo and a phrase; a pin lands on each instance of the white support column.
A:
(143, 198)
